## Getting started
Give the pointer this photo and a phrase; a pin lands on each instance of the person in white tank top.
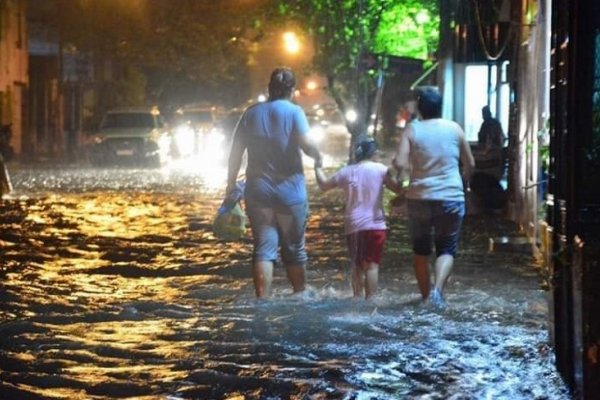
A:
(436, 156)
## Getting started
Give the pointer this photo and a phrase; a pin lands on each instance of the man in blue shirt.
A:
(274, 134)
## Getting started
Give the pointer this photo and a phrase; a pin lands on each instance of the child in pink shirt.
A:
(364, 219)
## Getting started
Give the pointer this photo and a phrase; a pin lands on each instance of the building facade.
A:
(13, 70)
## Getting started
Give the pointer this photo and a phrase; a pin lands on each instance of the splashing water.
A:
(106, 292)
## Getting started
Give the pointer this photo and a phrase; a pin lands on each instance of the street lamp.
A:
(311, 85)
(291, 42)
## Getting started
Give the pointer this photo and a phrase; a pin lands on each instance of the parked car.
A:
(137, 135)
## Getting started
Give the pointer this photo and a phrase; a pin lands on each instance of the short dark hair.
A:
(486, 113)
(429, 102)
(365, 148)
(282, 83)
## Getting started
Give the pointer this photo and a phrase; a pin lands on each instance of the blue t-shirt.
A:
(270, 131)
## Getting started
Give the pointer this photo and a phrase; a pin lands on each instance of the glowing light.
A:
(261, 98)
(311, 85)
(317, 133)
(185, 139)
(351, 116)
(422, 17)
(291, 42)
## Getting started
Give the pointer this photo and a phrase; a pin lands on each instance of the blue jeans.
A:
(437, 221)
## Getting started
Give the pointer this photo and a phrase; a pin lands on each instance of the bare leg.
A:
(262, 272)
(371, 279)
(296, 276)
(443, 268)
(357, 280)
(421, 264)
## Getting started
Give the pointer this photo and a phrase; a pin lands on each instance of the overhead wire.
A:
(485, 49)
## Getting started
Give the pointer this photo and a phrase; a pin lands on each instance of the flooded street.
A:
(113, 286)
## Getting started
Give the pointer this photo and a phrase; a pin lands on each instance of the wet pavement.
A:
(113, 286)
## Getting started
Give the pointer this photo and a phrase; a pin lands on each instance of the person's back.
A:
(363, 185)
(490, 136)
(273, 134)
(432, 152)
(434, 160)
(274, 172)
(490, 163)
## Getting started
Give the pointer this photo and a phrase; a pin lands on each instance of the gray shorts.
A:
(275, 226)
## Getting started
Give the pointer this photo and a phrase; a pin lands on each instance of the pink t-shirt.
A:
(363, 185)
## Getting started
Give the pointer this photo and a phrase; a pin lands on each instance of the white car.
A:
(137, 135)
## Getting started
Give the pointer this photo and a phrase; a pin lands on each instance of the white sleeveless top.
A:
(434, 161)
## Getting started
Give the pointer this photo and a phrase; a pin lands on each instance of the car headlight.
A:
(216, 136)
(185, 138)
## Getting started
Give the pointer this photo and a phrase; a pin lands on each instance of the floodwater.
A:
(113, 286)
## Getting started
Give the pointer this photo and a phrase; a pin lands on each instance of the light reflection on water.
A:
(116, 293)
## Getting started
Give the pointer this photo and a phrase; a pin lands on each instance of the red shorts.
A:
(366, 246)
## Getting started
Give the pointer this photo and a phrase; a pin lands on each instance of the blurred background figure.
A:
(489, 164)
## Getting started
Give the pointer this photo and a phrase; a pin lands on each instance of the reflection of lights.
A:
(291, 42)
(371, 129)
(351, 116)
(296, 93)
(320, 112)
(262, 98)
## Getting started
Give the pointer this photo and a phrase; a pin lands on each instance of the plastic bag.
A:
(230, 222)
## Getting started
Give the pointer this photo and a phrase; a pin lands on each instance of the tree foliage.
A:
(345, 31)
(409, 29)
(183, 47)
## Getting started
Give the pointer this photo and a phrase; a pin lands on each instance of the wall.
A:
(531, 113)
(13, 68)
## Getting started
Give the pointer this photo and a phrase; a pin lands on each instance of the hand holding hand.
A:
(319, 161)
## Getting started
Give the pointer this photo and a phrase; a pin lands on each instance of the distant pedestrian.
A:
(489, 163)
(490, 136)
(274, 134)
(430, 153)
(365, 225)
